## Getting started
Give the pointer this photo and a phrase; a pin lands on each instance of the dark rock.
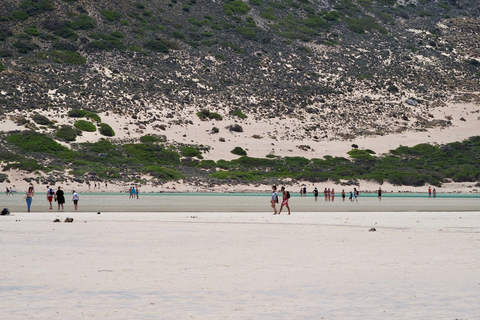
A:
(372, 229)
(68, 219)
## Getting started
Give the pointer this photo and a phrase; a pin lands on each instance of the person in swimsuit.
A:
(343, 195)
(380, 193)
(315, 193)
(274, 199)
(332, 194)
(284, 201)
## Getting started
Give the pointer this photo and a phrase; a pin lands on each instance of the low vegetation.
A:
(413, 166)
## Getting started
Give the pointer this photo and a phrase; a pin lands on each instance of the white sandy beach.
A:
(417, 265)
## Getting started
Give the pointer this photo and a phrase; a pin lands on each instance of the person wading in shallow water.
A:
(285, 197)
(274, 199)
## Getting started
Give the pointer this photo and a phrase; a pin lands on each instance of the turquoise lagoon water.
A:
(249, 202)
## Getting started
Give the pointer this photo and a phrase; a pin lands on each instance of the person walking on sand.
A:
(285, 197)
(75, 199)
(325, 194)
(315, 193)
(429, 192)
(7, 192)
(380, 193)
(343, 195)
(355, 194)
(274, 199)
(332, 194)
(29, 197)
(60, 198)
(50, 194)
(351, 196)
(434, 193)
(301, 192)
(136, 192)
(130, 192)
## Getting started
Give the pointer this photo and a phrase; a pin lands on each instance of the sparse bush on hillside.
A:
(205, 114)
(2, 67)
(191, 152)
(68, 57)
(235, 128)
(25, 47)
(77, 113)
(85, 126)
(40, 119)
(111, 15)
(239, 113)
(68, 133)
(236, 6)
(20, 15)
(106, 130)
(239, 151)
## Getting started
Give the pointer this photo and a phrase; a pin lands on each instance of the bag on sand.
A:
(5, 212)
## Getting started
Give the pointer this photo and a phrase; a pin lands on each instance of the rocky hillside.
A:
(354, 66)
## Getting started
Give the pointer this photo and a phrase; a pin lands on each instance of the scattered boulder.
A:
(412, 102)
(68, 219)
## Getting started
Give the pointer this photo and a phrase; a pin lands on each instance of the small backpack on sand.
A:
(5, 212)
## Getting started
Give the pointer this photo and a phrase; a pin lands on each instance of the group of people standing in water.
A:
(328, 193)
(52, 195)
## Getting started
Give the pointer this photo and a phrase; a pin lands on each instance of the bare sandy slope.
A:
(241, 266)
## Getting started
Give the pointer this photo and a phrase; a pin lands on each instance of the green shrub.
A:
(162, 173)
(331, 16)
(117, 34)
(77, 113)
(2, 67)
(106, 130)
(149, 139)
(42, 120)
(31, 141)
(25, 47)
(239, 113)
(191, 152)
(158, 46)
(256, 2)
(20, 15)
(68, 57)
(236, 6)
(33, 7)
(83, 22)
(239, 151)
(235, 128)
(178, 35)
(67, 33)
(68, 133)
(33, 31)
(85, 126)
(93, 116)
(205, 114)
(267, 14)
(247, 33)
(111, 15)
(5, 33)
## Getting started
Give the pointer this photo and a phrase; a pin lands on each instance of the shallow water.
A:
(245, 202)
